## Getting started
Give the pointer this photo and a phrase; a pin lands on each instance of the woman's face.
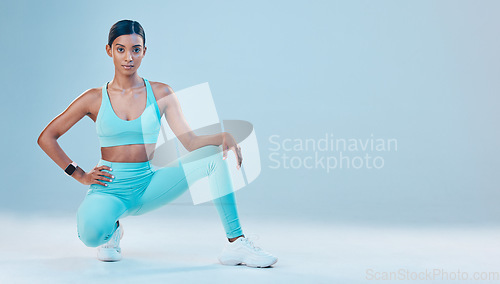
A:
(127, 52)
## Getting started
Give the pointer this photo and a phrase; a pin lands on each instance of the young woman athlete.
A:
(124, 183)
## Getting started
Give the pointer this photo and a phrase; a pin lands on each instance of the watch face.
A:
(70, 169)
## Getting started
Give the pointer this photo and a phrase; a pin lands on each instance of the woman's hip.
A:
(127, 176)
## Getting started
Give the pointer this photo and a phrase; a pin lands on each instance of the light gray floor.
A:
(163, 247)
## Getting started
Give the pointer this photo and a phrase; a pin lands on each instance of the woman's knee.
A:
(206, 152)
(210, 150)
(96, 218)
(215, 155)
(94, 232)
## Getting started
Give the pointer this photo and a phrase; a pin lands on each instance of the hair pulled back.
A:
(125, 27)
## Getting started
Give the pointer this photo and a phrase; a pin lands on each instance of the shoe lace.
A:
(249, 240)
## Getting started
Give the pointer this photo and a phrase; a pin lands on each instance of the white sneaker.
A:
(243, 250)
(111, 250)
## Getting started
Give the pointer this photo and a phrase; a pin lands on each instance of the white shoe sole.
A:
(247, 262)
(109, 254)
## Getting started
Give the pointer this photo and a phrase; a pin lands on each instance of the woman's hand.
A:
(228, 143)
(93, 176)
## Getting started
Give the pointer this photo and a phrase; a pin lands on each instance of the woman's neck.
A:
(126, 82)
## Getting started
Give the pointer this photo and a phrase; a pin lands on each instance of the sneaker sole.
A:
(250, 264)
(261, 265)
(112, 255)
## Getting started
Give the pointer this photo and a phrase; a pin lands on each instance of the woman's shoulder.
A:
(91, 99)
(91, 95)
(161, 92)
(161, 89)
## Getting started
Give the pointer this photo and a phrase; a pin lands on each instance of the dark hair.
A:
(125, 27)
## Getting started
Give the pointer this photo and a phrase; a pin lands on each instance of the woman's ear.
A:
(109, 51)
(144, 52)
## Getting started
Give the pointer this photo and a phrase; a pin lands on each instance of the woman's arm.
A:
(185, 134)
(60, 125)
(228, 143)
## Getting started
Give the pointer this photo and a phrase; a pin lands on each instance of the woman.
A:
(123, 183)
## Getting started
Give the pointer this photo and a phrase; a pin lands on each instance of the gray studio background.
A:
(425, 73)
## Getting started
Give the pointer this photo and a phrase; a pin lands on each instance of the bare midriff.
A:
(128, 153)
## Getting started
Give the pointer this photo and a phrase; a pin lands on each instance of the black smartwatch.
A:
(70, 169)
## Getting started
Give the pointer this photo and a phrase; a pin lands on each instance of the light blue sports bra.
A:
(114, 131)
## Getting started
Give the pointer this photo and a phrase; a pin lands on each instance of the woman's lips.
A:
(127, 67)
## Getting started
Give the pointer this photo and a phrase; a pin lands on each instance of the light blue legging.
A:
(139, 188)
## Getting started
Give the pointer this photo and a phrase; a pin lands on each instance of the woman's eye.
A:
(137, 50)
(120, 49)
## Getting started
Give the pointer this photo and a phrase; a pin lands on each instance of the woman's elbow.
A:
(40, 139)
(189, 142)
(44, 137)
(188, 147)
